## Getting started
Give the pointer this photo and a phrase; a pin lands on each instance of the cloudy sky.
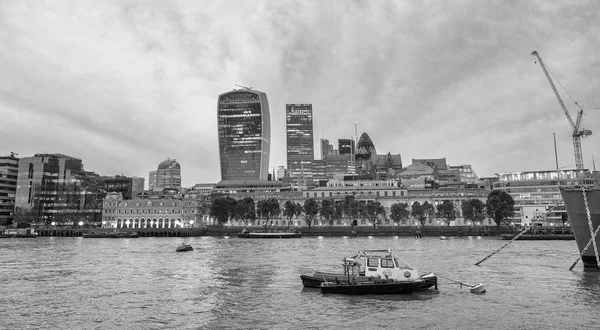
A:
(123, 85)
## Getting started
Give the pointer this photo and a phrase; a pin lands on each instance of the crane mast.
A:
(575, 126)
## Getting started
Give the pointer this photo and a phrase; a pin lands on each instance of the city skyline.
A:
(123, 86)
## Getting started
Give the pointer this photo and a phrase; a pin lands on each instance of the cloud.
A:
(125, 84)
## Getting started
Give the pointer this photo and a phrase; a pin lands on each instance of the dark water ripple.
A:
(231, 283)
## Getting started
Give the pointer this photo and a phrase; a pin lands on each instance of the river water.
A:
(232, 283)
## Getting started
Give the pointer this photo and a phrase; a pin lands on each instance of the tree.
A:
(373, 210)
(446, 211)
(473, 210)
(422, 212)
(428, 210)
(223, 208)
(245, 210)
(351, 208)
(399, 212)
(499, 206)
(327, 211)
(290, 209)
(418, 212)
(268, 209)
(311, 209)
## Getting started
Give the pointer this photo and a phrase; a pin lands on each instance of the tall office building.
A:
(300, 149)
(326, 148)
(244, 127)
(47, 186)
(9, 167)
(54, 189)
(168, 175)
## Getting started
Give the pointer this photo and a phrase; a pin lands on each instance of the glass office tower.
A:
(244, 127)
(300, 148)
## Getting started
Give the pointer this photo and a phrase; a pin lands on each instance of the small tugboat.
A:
(260, 234)
(383, 273)
(184, 248)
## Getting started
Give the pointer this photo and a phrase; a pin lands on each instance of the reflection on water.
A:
(235, 283)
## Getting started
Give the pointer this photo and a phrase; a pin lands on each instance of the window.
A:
(387, 263)
(372, 262)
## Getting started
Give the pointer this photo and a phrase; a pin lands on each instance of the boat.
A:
(184, 247)
(383, 272)
(583, 211)
(19, 233)
(260, 234)
(112, 234)
(538, 232)
(477, 288)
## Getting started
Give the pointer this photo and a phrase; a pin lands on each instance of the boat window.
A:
(396, 262)
(373, 262)
(387, 263)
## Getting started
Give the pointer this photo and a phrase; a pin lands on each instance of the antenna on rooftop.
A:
(244, 87)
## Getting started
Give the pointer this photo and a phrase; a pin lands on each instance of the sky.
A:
(125, 84)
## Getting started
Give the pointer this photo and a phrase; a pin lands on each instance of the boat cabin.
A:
(383, 264)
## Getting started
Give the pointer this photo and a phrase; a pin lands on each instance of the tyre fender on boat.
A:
(407, 274)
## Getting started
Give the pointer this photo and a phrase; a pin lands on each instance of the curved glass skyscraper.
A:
(244, 127)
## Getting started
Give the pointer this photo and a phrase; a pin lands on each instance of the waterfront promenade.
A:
(216, 231)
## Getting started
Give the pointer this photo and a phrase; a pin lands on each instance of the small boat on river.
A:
(266, 234)
(372, 272)
(184, 248)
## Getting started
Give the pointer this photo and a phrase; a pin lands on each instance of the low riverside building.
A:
(388, 192)
(167, 209)
(537, 193)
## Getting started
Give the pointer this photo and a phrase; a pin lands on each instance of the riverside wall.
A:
(306, 231)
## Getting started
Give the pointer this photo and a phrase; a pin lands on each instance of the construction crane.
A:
(578, 131)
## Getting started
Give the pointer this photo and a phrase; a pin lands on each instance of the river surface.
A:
(233, 283)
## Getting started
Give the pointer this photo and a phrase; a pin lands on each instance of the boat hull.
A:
(270, 235)
(371, 287)
(316, 279)
(577, 213)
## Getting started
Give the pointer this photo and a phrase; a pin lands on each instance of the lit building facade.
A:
(299, 138)
(244, 130)
(54, 189)
(9, 169)
(168, 175)
(160, 211)
(465, 173)
(346, 146)
(537, 193)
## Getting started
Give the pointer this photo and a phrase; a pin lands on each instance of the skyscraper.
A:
(244, 127)
(299, 133)
(168, 174)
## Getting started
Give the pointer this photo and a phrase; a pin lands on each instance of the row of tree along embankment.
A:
(364, 231)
